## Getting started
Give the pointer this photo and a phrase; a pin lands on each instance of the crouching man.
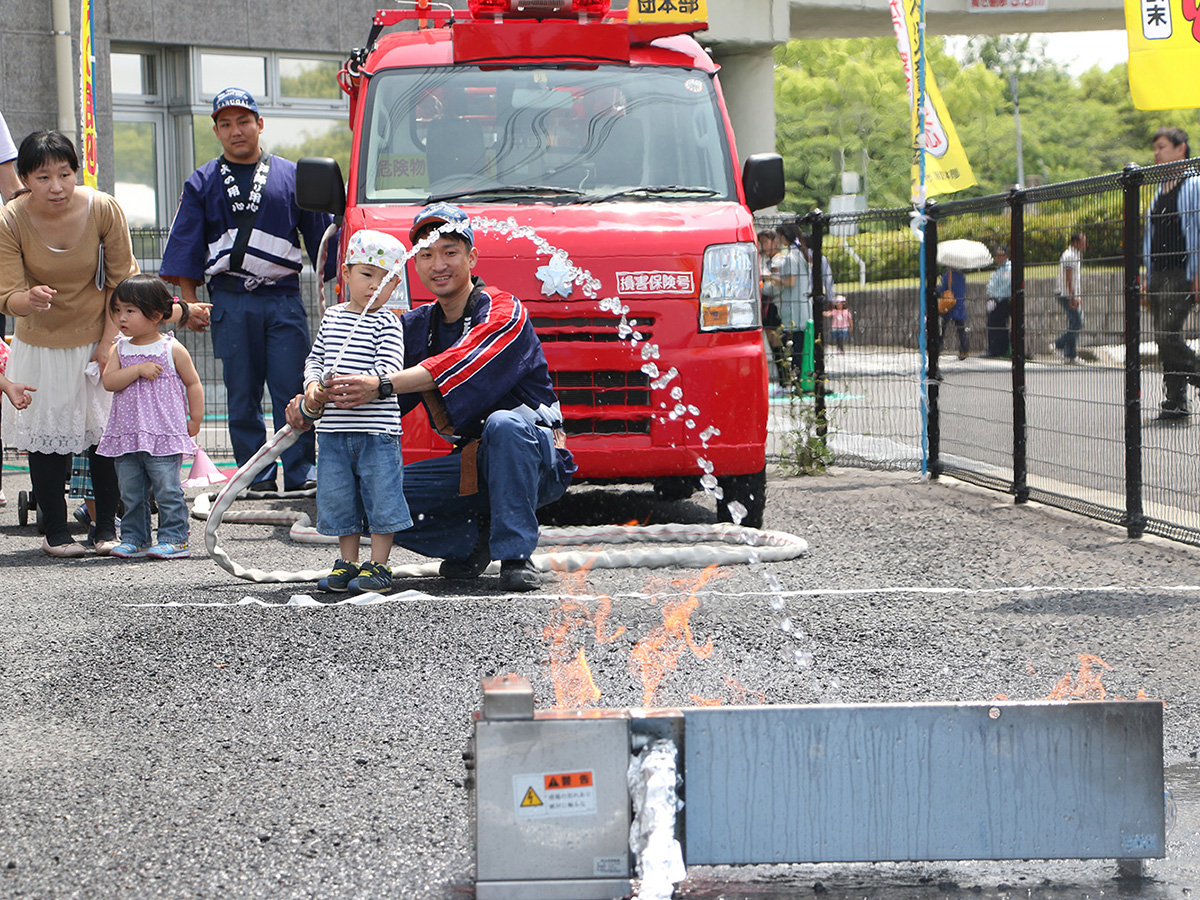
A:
(472, 358)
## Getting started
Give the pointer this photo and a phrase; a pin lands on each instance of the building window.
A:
(221, 70)
(162, 123)
(134, 74)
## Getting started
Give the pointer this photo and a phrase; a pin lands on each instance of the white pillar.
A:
(748, 82)
(64, 68)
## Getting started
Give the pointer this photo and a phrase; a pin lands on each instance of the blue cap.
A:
(233, 96)
(443, 214)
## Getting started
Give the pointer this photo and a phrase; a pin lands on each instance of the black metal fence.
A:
(894, 393)
(1087, 434)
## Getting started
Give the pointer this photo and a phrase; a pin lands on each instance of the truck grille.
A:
(591, 329)
(605, 391)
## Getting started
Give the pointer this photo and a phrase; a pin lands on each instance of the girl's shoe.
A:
(338, 580)
(372, 578)
(126, 550)
(71, 550)
(163, 550)
(105, 548)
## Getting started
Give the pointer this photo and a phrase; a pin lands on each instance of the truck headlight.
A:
(729, 288)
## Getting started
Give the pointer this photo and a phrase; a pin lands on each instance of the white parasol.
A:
(961, 253)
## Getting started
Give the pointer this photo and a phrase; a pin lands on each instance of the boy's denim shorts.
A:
(360, 484)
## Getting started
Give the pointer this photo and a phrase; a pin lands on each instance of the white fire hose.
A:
(696, 546)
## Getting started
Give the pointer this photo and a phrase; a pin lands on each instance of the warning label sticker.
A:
(546, 794)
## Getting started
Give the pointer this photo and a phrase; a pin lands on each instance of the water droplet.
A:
(804, 659)
(689, 423)
(737, 512)
(776, 602)
(785, 625)
(708, 482)
(676, 392)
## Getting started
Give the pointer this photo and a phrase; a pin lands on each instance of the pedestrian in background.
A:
(1170, 244)
(954, 283)
(999, 306)
(1068, 296)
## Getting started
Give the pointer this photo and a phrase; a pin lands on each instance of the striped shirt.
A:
(377, 347)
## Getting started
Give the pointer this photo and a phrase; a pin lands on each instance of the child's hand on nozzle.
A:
(315, 396)
(149, 370)
(18, 394)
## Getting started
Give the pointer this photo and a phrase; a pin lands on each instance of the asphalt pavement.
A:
(170, 731)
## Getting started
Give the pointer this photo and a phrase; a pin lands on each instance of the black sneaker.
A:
(338, 581)
(266, 486)
(473, 565)
(519, 575)
(372, 578)
(1173, 413)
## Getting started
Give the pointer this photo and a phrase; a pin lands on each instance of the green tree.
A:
(838, 98)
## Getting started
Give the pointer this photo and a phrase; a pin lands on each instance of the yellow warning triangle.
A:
(531, 799)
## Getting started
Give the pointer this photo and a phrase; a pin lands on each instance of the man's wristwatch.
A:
(386, 388)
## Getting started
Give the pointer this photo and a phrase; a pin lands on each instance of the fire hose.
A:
(695, 546)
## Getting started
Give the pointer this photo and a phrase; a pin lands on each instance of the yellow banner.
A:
(87, 99)
(946, 166)
(1164, 53)
(668, 11)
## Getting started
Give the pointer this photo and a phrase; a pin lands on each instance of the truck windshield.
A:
(544, 135)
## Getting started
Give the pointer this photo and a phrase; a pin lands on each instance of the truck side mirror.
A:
(762, 180)
(320, 186)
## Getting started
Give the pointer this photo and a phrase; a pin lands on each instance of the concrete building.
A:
(158, 65)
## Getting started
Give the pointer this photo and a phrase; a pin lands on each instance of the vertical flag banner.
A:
(87, 63)
(1164, 53)
(946, 166)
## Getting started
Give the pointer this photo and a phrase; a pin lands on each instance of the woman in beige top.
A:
(63, 248)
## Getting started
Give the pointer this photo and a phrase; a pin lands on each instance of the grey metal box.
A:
(552, 810)
(1048, 780)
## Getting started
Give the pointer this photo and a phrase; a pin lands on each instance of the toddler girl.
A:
(156, 411)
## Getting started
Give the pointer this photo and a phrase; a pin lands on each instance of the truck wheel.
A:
(671, 489)
(748, 490)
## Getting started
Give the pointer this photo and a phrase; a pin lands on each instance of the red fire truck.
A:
(606, 133)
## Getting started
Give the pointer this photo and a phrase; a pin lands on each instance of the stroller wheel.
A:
(41, 526)
(24, 504)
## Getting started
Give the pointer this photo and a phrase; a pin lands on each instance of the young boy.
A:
(359, 480)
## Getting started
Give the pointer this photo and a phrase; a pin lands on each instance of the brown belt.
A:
(468, 474)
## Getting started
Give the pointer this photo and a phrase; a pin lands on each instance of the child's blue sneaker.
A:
(338, 580)
(163, 550)
(372, 578)
(126, 550)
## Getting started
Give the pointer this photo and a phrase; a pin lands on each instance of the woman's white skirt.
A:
(70, 406)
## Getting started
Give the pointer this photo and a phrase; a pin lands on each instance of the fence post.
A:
(933, 344)
(1135, 520)
(1016, 248)
(819, 223)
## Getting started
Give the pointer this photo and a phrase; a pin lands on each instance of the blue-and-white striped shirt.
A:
(377, 347)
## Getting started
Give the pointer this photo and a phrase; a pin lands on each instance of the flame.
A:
(659, 651)
(697, 700)
(1086, 685)
(574, 687)
(573, 684)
